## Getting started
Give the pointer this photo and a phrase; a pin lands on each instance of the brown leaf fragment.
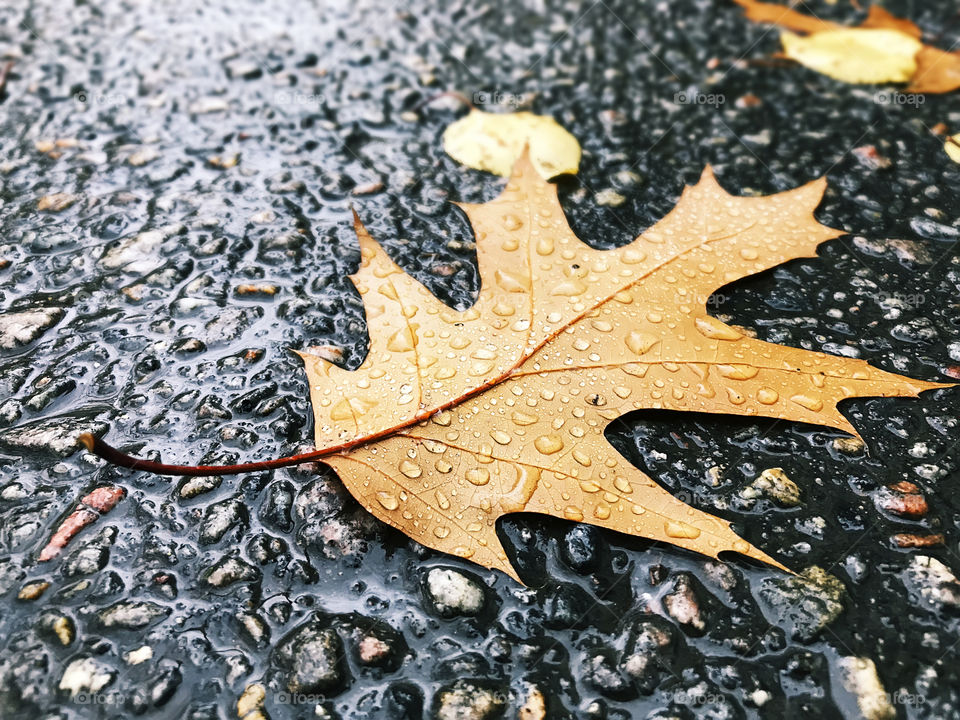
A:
(103, 499)
(878, 17)
(938, 71)
(903, 499)
(783, 16)
(74, 523)
(92, 505)
(910, 540)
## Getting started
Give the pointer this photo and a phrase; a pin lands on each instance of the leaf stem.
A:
(109, 453)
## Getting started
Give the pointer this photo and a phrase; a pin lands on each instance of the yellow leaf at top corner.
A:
(952, 147)
(494, 142)
(856, 55)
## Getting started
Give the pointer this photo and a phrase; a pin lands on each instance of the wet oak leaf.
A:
(456, 418)
(861, 54)
(494, 141)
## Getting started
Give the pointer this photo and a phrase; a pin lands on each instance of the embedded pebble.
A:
(466, 700)
(859, 676)
(804, 604)
(20, 328)
(451, 592)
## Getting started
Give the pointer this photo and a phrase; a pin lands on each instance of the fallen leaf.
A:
(877, 17)
(952, 147)
(494, 141)
(760, 12)
(456, 418)
(937, 71)
(856, 55)
(933, 71)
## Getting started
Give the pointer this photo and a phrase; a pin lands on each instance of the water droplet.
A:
(640, 342)
(388, 291)
(442, 501)
(522, 418)
(573, 513)
(622, 485)
(511, 222)
(410, 469)
(588, 486)
(767, 396)
(716, 330)
(478, 476)
(571, 288)
(500, 437)
(677, 529)
(443, 466)
(809, 402)
(749, 254)
(735, 397)
(545, 245)
(434, 446)
(388, 500)
(548, 444)
(442, 418)
(480, 368)
(441, 531)
(737, 372)
(511, 281)
(602, 511)
(581, 457)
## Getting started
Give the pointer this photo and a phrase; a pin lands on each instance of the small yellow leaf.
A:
(952, 146)
(494, 142)
(856, 55)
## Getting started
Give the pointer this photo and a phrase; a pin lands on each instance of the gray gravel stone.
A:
(312, 658)
(806, 603)
(20, 328)
(453, 593)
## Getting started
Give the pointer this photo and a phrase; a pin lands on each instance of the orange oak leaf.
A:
(761, 12)
(456, 418)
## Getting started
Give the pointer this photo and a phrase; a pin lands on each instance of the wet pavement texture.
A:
(177, 183)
